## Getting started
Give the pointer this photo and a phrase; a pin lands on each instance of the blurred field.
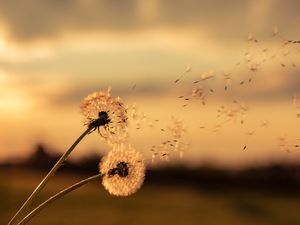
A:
(153, 204)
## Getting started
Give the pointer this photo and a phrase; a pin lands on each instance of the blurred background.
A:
(220, 78)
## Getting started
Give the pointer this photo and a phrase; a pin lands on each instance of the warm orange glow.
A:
(50, 62)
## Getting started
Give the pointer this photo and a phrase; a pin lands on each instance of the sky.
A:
(54, 53)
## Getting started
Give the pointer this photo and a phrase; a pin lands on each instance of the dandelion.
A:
(123, 170)
(105, 113)
(102, 112)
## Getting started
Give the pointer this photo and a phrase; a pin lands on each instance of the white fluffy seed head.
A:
(115, 183)
(116, 128)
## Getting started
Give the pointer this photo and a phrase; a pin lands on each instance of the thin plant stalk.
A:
(55, 197)
(50, 174)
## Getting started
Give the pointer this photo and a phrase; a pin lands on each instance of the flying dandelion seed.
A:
(187, 70)
(177, 130)
(195, 91)
(286, 50)
(284, 144)
(198, 92)
(254, 67)
(227, 79)
(140, 119)
(207, 75)
(295, 99)
(123, 169)
(264, 123)
(228, 114)
(275, 30)
(216, 128)
(133, 87)
(106, 114)
(250, 132)
(250, 37)
(288, 145)
(173, 144)
(164, 156)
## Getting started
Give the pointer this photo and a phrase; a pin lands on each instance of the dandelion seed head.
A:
(123, 169)
(107, 114)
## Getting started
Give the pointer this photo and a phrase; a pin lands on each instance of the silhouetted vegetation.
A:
(273, 177)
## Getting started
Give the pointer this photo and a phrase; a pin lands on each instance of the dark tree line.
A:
(272, 177)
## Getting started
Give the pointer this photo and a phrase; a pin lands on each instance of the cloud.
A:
(36, 19)
(33, 19)
(85, 45)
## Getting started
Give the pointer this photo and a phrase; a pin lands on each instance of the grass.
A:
(157, 205)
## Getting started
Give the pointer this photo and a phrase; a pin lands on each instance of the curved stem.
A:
(55, 197)
(47, 177)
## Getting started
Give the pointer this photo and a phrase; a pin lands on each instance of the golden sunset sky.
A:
(54, 53)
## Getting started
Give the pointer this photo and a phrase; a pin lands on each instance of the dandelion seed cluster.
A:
(139, 119)
(243, 73)
(173, 144)
(123, 170)
(107, 114)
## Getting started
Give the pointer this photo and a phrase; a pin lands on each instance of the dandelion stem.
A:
(55, 197)
(48, 176)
